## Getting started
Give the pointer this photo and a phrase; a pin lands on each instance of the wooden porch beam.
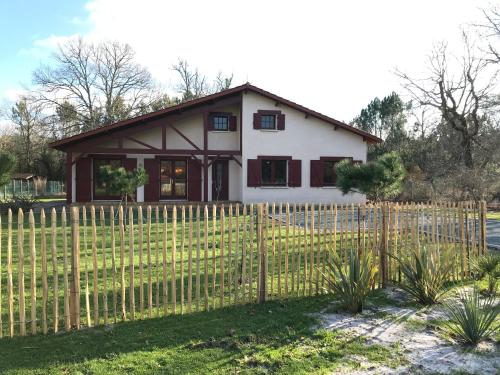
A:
(78, 158)
(184, 137)
(69, 178)
(142, 143)
(99, 150)
(236, 160)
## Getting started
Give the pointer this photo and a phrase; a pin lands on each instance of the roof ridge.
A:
(241, 88)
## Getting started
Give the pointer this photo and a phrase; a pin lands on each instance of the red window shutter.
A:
(130, 164)
(84, 180)
(232, 123)
(281, 121)
(194, 180)
(256, 121)
(253, 172)
(152, 188)
(295, 173)
(210, 124)
(316, 173)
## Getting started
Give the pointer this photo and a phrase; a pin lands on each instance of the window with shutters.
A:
(265, 119)
(101, 190)
(329, 174)
(323, 171)
(268, 122)
(220, 122)
(274, 172)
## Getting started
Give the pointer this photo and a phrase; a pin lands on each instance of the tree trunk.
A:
(467, 147)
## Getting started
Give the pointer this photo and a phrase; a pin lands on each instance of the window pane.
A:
(180, 170)
(280, 172)
(166, 177)
(267, 172)
(329, 172)
(100, 188)
(274, 172)
(268, 121)
(220, 122)
(180, 188)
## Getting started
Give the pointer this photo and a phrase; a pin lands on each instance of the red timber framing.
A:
(69, 178)
(116, 133)
(201, 155)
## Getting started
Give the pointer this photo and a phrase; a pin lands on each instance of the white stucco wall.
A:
(303, 138)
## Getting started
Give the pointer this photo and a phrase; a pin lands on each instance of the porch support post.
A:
(69, 177)
(205, 156)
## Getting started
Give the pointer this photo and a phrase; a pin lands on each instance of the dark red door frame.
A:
(224, 178)
(172, 160)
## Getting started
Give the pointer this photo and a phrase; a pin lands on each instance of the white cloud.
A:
(331, 56)
(41, 48)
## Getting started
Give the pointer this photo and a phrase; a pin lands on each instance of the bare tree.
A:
(102, 82)
(490, 30)
(192, 84)
(27, 118)
(461, 94)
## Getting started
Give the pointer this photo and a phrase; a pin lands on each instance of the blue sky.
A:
(22, 24)
(331, 56)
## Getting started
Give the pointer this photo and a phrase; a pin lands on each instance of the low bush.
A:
(471, 320)
(424, 278)
(487, 266)
(351, 282)
(24, 202)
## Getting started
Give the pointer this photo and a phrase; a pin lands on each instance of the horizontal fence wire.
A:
(85, 266)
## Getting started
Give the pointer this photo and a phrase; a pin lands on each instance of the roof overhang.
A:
(208, 100)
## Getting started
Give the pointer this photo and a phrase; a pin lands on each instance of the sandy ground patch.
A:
(425, 349)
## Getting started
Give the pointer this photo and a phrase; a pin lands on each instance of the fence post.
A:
(262, 252)
(75, 269)
(482, 230)
(384, 245)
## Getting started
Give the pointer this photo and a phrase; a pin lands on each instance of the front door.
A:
(220, 180)
(173, 179)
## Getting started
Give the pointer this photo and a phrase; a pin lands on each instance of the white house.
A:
(242, 144)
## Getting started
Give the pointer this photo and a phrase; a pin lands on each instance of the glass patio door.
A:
(173, 179)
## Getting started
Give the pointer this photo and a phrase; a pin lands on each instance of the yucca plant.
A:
(351, 282)
(471, 320)
(487, 266)
(423, 277)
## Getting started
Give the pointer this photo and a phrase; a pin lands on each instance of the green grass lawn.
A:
(276, 337)
(247, 290)
(493, 215)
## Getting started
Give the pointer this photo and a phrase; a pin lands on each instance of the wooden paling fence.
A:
(100, 265)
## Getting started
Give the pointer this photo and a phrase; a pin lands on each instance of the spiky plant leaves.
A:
(487, 266)
(471, 320)
(424, 277)
(351, 282)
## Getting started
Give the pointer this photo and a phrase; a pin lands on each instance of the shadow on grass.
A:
(271, 324)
